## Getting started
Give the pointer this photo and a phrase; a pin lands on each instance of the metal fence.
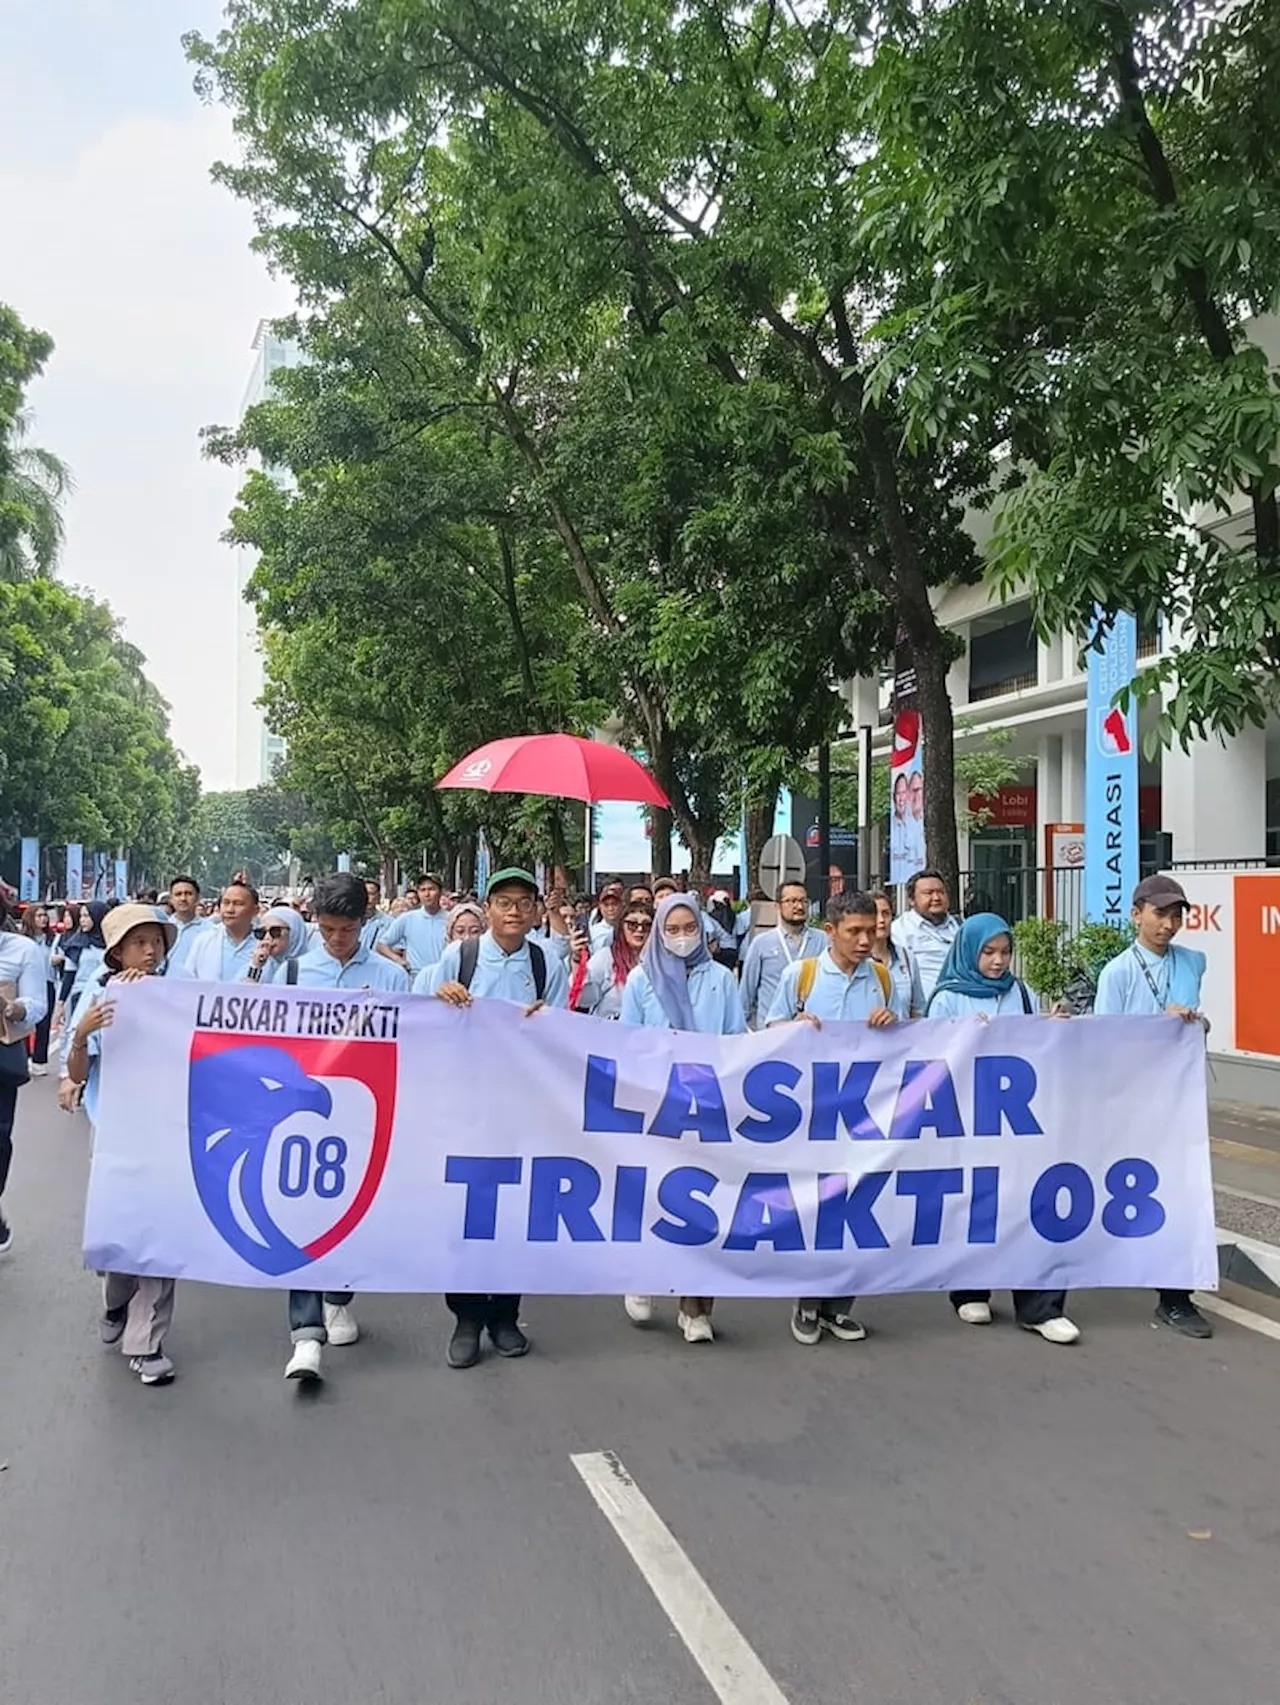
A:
(1040, 892)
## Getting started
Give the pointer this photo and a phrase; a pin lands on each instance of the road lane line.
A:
(1227, 1148)
(1240, 1316)
(735, 1673)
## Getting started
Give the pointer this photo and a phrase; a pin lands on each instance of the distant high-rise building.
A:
(258, 750)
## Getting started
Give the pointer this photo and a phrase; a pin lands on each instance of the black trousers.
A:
(484, 1310)
(40, 1054)
(8, 1107)
(1172, 1299)
(1031, 1308)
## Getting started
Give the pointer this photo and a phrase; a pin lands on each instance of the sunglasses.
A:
(268, 932)
(644, 925)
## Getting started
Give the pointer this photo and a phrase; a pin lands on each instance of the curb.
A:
(1247, 1261)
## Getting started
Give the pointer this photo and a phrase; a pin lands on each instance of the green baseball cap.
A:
(508, 878)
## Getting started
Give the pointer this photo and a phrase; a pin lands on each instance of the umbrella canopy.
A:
(561, 765)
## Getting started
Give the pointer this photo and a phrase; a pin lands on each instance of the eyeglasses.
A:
(508, 903)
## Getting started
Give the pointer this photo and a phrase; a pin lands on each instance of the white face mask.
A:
(681, 945)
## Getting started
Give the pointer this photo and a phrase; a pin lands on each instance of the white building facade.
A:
(258, 750)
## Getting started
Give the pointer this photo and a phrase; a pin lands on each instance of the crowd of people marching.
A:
(649, 953)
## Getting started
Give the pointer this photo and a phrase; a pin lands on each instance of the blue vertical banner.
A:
(484, 861)
(344, 862)
(1111, 777)
(122, 879)
(75, 871)
(29, 871)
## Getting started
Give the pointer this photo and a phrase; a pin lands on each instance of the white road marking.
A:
(1240, 1316)
(735, 1673)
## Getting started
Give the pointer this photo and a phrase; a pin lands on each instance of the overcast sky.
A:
(116, 243)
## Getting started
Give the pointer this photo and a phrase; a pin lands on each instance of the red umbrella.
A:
(558, 764)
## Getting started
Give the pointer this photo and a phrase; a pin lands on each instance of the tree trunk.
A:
(937, 726)
(466, 861)
(759, 829)
(701, 853)
(660, 828)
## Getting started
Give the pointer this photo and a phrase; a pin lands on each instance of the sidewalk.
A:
(1245, 1146)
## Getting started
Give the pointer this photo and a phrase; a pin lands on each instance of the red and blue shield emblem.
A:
(289, 1140)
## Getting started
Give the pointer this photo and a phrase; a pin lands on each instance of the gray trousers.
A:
(150, 1310)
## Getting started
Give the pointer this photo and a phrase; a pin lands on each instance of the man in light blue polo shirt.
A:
(339, 960)
(846, 985)
(503, 968)
(926, 931)
(184, 897)
(772, 951)
(415, 940)
(221, 952)
(376, 921)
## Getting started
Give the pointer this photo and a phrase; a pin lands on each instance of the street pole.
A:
(824, 821)
(864, 807)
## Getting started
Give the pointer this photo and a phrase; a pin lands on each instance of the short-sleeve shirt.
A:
(836, 996)
(421, 934)
(713, 995)
(507, 976)
(318, 969)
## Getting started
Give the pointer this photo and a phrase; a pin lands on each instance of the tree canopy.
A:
(728, 310)
(86, 754)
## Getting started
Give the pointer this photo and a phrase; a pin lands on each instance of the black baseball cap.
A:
(1160, 891)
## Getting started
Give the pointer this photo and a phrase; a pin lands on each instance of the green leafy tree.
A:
(87, 755)
(1089, 197)
(32, 491)
(637, 192)
(32, 481)
(228, 838)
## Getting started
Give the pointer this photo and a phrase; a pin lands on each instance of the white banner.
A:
(363, 1142)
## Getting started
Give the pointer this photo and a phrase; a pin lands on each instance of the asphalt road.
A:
(939, 1516)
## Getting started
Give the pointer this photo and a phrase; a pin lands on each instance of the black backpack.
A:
(470, 958)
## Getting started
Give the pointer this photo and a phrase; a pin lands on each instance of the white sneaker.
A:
(304, 1363)
(697, 1328)
(639, 1309)
(1059, 1331)
(340, 1323)
(974, 1313)
(38, 1071)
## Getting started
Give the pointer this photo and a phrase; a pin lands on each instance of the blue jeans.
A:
(306, 1313)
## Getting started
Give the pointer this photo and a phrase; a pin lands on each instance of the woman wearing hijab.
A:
(281, 940)
(609, 967)
(38, 929)
(86, 934)
(678, 986)
(977, 982)
(89, 947)
(466, 923)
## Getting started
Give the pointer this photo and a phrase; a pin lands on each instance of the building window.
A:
(1002, 659)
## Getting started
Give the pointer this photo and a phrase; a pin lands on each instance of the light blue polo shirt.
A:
(421, 934)
(373, 929)
(506, 976)
(188, 935)
(215, 958)
(713, 995)
(318, 969)
(1139, 981)
(837, 996)
(767, 958)
(1007, 1003)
